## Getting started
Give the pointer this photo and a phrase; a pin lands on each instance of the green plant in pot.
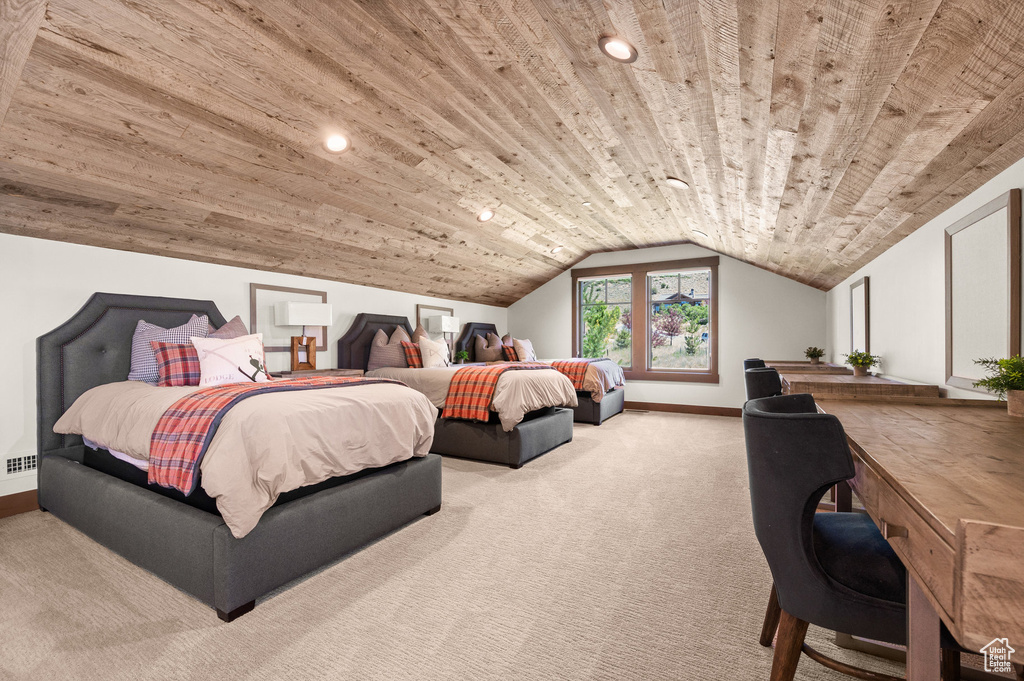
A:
(814, 354)
(861, 362)
(1006, 380)
(461, 356)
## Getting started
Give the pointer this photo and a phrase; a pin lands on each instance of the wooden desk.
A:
(945, 484)
(793, 367)
(822, 386)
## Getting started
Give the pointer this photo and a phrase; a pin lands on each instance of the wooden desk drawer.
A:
(914, 541)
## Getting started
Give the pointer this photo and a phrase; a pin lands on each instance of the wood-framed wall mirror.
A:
(983, 288)
(860, 315)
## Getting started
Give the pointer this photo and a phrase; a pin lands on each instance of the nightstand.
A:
(319, 372)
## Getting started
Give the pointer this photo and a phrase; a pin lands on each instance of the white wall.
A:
(760, 315)
(43, 283)
(908, 308)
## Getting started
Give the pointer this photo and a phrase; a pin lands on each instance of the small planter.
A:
(860, 371)
(815, 360)
(1015, 403)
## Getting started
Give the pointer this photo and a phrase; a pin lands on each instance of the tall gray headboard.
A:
(95, 347)
(354, 346)
(467, 339)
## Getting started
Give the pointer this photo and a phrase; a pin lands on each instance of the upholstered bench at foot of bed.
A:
(195, 551)
(488, 442)
(589, 411)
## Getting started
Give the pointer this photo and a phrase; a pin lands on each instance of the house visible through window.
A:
(659, 321)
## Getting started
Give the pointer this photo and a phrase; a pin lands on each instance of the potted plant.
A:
(461, 356)
(861, 362)
(814, 354)
(1006, 380)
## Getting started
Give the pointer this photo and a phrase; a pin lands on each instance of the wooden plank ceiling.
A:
(814, 134)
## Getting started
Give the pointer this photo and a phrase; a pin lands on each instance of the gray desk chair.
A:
(762, 382)
(834, 570)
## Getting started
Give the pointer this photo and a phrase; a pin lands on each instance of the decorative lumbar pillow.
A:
(385, 353)
(144, 367)
(233, 329)
(231, 360)
(489, 349)
(412, 354)
(178, 364)
(524, 350)
(434, 353)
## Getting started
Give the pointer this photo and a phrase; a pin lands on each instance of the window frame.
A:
(641, 322)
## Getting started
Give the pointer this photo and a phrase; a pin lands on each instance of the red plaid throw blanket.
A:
(575, 369)
(472, 389)
(186, 429)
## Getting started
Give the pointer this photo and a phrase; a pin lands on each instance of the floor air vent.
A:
(20, 464)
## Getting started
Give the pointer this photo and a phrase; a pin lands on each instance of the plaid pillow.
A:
(413, 355)
(143, 367)
(178, 364)
(510, 353)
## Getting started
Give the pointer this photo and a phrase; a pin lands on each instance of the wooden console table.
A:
(945, 484)
(823, 386)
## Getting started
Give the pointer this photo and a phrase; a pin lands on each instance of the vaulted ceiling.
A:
(814, 134)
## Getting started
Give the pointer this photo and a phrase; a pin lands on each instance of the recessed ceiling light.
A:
(618, 49)
(586, 203)
(336, 143)
(676, 182)
(700, 233)
(485, 215)
(557, 249)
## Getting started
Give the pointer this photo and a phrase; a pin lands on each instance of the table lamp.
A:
(444, 325)
(303, 314)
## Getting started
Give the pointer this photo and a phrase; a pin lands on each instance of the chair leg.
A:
(771, 619)
(787, 647)
(950, 665)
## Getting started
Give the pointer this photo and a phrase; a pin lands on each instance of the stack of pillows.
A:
(402, 352)
(196, 354)
(506, 349)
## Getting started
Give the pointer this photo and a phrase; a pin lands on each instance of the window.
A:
(659, 321)
(606, 318)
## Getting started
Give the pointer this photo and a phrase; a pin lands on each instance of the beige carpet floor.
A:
(626, 554)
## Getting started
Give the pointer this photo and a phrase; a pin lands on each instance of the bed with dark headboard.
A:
(587, 411)
(181, 540)
(540, 431)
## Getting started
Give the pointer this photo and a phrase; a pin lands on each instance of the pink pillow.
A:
(233, 329)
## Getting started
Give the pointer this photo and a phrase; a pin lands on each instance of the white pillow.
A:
(231, 360)
(434, 353)
(524, 350)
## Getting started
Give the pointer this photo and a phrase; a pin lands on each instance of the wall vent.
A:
(20, 464)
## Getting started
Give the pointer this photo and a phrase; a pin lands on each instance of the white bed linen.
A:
(517, 391)
(267, 444)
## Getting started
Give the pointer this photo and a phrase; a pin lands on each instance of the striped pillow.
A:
(385, 353)
(510, 353)
(178, 364)
(144, 367)
(412, 355)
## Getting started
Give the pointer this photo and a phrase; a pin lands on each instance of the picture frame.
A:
(425, 311)
(860, 315)
(983, 288)
(263, 298)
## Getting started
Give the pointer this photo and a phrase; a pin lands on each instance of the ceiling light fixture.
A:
(557, 249)
(698, 232)
(617, 49)
(336, 143)
(586, 203)
(677, 183)
(485, 215)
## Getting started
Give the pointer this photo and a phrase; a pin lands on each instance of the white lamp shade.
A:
(443, 324)
(303, 314)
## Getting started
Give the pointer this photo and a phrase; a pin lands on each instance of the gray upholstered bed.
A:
(587, 411)
(539, 432)
(184, 541)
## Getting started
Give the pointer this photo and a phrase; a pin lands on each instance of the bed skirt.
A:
(195, 551)
(596, 413)
(540, 432)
